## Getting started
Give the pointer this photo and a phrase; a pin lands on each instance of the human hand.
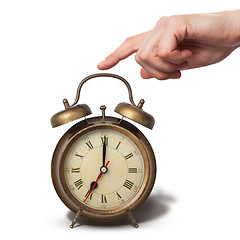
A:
(180, 42)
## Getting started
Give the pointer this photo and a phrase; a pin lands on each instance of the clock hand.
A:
(103, 170)
(104, 150)
(93, 184)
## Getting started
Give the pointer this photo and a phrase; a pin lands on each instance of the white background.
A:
(46, 48)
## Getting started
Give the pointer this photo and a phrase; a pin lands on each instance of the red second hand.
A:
(95, 182)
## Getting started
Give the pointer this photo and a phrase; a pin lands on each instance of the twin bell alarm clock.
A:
(103, 168)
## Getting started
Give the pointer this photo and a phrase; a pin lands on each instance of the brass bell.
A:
(70, 114)
(131, 111)
(136, 113)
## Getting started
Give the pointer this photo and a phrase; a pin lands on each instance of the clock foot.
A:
(132, 218)
(75, 218)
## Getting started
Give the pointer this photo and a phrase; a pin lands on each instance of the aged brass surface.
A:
(104, 75)
(136, 114)
(103, 108)
(131, 111)
(76, 218)
(83, 128)
(132, 218)
(70, 114)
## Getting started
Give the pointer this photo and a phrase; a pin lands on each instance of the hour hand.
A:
(93, 184)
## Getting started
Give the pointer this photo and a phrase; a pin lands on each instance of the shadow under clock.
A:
(156, 206)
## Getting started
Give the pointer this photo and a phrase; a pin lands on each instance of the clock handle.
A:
(131, 111)
(103, 75)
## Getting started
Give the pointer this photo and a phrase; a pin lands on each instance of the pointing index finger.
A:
(126, 49)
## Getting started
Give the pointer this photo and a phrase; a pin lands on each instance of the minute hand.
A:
(104, 151)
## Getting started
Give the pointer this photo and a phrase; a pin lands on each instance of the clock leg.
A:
(132, 218)
(75, 218)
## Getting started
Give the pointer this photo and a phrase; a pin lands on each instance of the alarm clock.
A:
(103, 168)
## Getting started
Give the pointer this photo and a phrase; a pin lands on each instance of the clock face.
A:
(103, 169)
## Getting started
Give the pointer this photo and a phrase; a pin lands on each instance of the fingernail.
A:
(102, 62)
(176, 75)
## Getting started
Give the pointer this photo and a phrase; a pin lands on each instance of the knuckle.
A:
(163, 52)
(128, 41)
(173, 19)
(162, 76)
(137, 58)
(161, 21)
(165, 21)
(143, 56)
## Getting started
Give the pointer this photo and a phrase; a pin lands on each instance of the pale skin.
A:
(180, 42)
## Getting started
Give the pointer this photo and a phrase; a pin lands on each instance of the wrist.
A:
(233, 20)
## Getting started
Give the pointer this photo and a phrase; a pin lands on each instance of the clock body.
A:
(104, 190)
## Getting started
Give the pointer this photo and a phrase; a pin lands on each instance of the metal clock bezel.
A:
(66, 142)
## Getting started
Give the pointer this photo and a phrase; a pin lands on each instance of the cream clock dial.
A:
(119, 181)
(103, 170)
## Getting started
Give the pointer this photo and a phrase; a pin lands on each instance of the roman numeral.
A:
(89, 144)
(132, 170)
(129, 156)
(118, 195)
(78, 155)
(78, 183)
(90, 196)
(106, 140)
(104, 199)
(128, 184)
(75, 170)
(118, 145)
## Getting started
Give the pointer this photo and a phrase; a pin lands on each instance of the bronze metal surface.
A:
(131, 111)
(82, 128)
(70, 114)
(136, 114)
(104, 75)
